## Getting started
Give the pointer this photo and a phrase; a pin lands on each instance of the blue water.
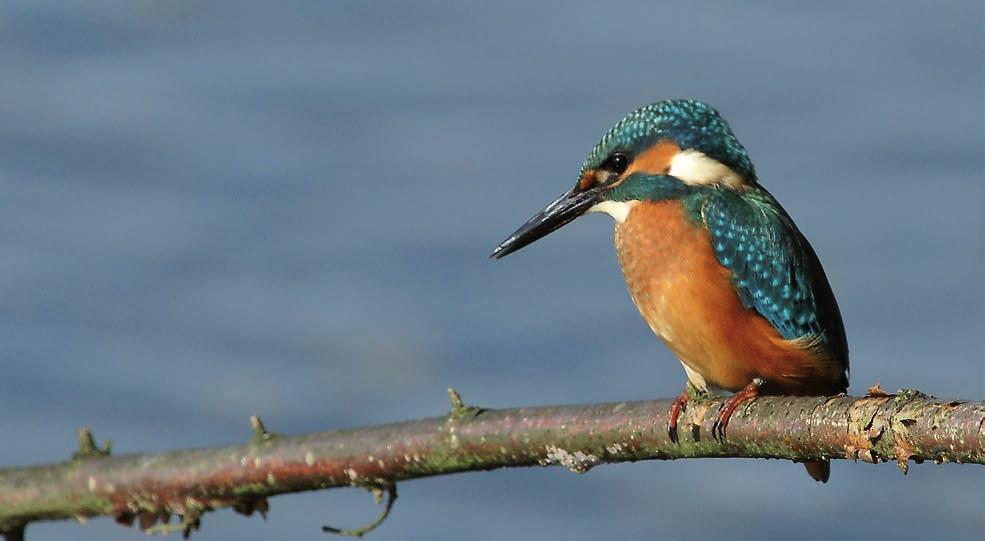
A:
(214, 210)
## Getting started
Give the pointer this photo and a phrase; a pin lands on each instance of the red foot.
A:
(679, 405)
(725, 413)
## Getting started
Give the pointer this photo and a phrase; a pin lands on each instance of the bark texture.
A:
(150, 488)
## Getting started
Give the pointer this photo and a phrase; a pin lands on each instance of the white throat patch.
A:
(617, 209)
(695, 168)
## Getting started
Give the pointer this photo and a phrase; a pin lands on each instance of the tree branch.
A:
(149, 488)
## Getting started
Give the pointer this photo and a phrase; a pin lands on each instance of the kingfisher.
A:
(713, 263)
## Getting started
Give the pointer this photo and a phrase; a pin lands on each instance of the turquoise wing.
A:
(774, 269)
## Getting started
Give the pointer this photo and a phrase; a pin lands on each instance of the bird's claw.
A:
(728, 408)
(721, 423)
(679, 406)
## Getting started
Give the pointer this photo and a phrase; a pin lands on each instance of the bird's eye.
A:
(616, 163)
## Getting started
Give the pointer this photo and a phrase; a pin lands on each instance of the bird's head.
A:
(664, 150)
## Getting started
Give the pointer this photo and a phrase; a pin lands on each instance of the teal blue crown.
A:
(691, 124)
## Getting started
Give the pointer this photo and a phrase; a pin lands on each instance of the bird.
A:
(714, 264)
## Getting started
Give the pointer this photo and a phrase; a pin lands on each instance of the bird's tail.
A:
(820, 470)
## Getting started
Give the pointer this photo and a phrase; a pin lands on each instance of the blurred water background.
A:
(212, 210)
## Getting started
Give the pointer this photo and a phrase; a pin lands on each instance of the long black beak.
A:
(567, 207)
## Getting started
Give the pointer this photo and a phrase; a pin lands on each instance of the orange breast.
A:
(687, 298)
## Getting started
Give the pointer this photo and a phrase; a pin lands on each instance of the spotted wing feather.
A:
(774, 269)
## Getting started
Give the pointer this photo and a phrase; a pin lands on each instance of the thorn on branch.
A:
(458, 408)
(456, 399)
(902, 461)
(14, 532)
(247, 506)
(260, 434)
(391, 496)
(876, 391)
(191, 520)
(88, 448)
(147, 519)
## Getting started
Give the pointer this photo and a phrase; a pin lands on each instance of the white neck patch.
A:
(617, 209)
(695, 168)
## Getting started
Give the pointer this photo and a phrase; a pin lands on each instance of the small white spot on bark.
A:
(615, 448)
(309, 458)
(351, 474)
(256, 462)
(577, 462)
(92, 484)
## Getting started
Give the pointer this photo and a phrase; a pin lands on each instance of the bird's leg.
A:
(679, 406)
(728, 408)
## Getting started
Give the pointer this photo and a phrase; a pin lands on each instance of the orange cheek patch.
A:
(655, 160)
(587, 180)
